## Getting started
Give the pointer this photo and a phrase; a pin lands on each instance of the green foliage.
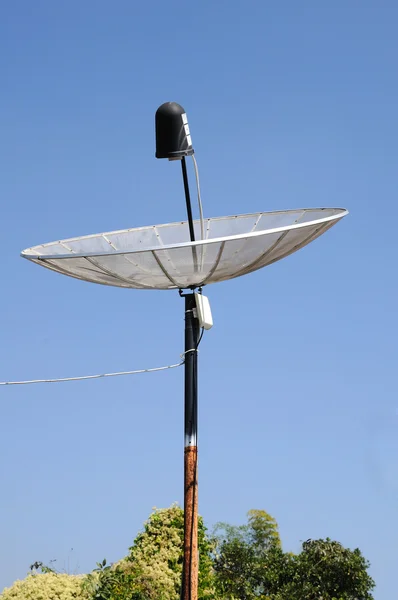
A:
(263, 531)
(250, 563)
(40, 567)
(245, 554)
(325, 569)
(107, 582)
(153, 568)
(155, 559)
(243, 562)
(46, 586)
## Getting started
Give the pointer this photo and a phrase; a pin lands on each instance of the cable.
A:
(200, 338)
(195, 473)
(82, 378)
(202, 226)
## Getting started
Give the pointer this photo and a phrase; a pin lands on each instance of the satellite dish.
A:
(160, 257)
(186, 256)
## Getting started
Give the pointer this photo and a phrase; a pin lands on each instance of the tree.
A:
(244, 562)
(153, 568)
(250, 563)
(325, 570)
(247, 558)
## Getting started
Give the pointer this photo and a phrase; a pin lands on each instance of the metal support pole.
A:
(187, 198)
(191, 563)
(189, 210)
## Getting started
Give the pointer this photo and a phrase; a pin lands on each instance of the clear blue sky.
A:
(291, 104)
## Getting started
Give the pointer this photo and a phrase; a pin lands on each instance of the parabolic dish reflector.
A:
(162, 257)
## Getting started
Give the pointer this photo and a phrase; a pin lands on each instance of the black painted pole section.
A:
(189, 211)
(190, 563)
(191, 363)
(187, 198)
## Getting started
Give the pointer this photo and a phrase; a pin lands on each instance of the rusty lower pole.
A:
(191, 558)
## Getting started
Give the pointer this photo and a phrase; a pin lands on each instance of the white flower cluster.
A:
(46, 586)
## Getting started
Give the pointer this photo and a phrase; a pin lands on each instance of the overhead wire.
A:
(102, 375)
